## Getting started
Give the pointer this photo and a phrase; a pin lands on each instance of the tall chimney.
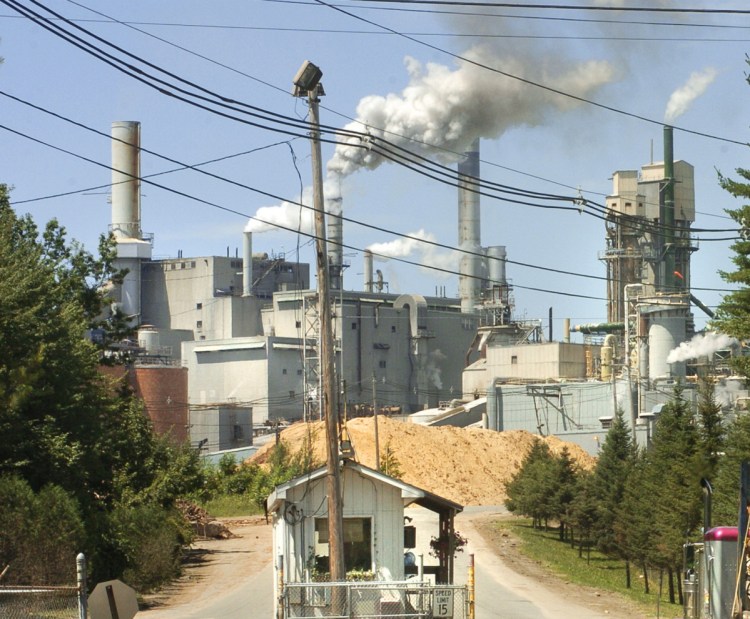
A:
(126, 216)
(335, 236)
(247, 264)
(670, 281)
(469, 281)
(367, 255)
(126, 179)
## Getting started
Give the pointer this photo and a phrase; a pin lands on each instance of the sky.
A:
(427, 77)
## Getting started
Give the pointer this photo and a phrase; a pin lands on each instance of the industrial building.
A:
(246, 326)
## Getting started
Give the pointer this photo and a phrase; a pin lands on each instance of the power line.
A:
(568, 7)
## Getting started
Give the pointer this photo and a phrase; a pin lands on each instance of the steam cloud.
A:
(682, 98)
(445, 110)
(412, 244)
(700, 346)
(440, 113)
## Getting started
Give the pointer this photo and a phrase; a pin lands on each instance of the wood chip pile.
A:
(467, 465)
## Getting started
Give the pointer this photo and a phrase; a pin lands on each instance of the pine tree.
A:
(608, 482)
(733, 314)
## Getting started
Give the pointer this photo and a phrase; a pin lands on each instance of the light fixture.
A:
(307, 79)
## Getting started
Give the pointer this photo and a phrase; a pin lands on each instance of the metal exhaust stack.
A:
(335, 236)
(126, 216)
(469, 232)
(126, 179)
(368, 270)
(247, 264)
(670, 282)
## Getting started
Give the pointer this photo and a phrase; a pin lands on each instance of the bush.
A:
(41, 534)
(143, 545)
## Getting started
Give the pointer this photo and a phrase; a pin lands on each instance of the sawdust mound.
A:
(469, 466)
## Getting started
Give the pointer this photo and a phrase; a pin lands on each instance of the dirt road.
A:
(233, 579)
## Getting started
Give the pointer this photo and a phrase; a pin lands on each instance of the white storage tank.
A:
(148, 339)
(664, 335)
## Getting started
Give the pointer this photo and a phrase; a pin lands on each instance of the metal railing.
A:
(370, 600)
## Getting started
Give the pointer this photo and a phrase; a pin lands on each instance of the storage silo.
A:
(666, 332)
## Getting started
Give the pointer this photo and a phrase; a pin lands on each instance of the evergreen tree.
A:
(710, 428)
(531, 490)
(733, 314)
(613, 468)
(566, 478)
(672, 482)
(726, 484)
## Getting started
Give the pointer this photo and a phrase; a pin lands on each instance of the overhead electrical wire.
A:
(300, 232)
(382, 147)
(195, 168)
(526, 81)
(406, 159)
(310, 235)
(484, 14)
(568, 7)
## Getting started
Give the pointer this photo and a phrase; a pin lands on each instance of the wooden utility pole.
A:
(329, 403)
(375, 422)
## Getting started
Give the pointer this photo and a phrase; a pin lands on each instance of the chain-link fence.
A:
(366, 600)
(38, 602)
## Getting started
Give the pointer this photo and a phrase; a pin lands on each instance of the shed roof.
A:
(410, 494)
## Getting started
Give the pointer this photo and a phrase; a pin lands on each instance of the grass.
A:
(591, 570)
(231, 506)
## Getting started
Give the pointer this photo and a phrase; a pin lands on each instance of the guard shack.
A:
(375, 538)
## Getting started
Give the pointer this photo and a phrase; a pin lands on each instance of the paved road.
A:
(501, 593)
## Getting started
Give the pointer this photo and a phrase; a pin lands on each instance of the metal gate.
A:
(370, 600)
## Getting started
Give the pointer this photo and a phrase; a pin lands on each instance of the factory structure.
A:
(245, 327)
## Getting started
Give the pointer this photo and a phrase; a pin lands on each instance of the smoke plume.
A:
(411, 245)
(700, 346)
(682, 98)
(443, 110)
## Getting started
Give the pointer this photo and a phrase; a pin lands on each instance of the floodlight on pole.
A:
(307, 83)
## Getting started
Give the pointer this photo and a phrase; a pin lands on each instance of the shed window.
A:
(513, 360)
(357, 544)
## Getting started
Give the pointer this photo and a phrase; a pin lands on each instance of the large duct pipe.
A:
(247, 264)
(335, 236)
(469, 235)
(367, 255)
(126, 179)
(670, 281)
(496, 257)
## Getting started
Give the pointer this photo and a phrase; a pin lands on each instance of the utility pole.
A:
(307, 83)
(375, 421)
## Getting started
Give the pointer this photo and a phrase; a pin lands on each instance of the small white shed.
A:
(373, 514)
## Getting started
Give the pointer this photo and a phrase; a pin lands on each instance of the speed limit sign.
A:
(442, 603)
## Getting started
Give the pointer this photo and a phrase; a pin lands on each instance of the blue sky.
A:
(532, 139)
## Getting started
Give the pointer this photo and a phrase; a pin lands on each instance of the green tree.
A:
(531, 490)
(565, 487)
(711, 431)
(610, 475)
(672, 481)
(726, 484)
(733, 314)
(67, 430)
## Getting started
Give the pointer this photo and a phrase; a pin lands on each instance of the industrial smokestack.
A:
(469, 228)
(496, 257)
(335, 236)
(247, 264)
(670, 281)
(368, 270)
(126, 179)
(126, 216)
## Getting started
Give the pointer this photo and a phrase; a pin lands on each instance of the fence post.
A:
(82, 589)
(280, 587)
(471, 585)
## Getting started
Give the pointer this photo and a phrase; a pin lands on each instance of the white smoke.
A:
(294, 216)
(700, 346)
(413, 245)
(682, 98)
(443, 110)
(436, 357)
